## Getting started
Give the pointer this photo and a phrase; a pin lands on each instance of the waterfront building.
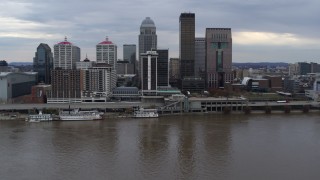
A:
(275, 82)
(15, 84)
(43, 63)
(66, 55)
(187, 44)
(193, 84)
(65, 84)
(200, 57)
(218, 57)
(106, 52)
(149, 79)
(100, 79)
(126, 93)
(163, 67)
(147, 37)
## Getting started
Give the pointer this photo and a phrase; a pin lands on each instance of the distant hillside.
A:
(260, 64)
(20, 63)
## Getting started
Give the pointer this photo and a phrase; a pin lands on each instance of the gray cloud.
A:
(86, 23)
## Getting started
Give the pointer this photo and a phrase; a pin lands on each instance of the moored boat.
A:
(77, 115)
(145, 113)
(39, 117)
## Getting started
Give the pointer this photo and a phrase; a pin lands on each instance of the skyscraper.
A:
(107, 53)
(65, 79)
(129, 53)
(66, 55)
(43, 63)
(147, 37)
(148, 71)
(174, 71)
(163, 67)
(187, 44)
(99, 79)
(218, 57)
(200, 57)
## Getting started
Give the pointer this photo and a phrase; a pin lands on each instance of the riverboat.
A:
(145, 113)
(39, 117)
(77, 115)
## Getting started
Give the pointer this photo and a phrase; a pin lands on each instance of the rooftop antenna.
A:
(65, 38)
(107, 39)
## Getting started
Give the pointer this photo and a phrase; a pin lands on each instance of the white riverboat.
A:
(145, 113)
(77, 115)
(39, 117)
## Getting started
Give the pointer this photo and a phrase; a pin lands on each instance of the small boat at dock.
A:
(39, 117)
(145, 113)
(78, 115)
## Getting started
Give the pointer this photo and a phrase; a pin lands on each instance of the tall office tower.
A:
(129, 53)
(99, 79)
(187, 44)
(66, 55)
(147, 37)
(200, 57)
(43, 63)
(218, 57)
(149, 79)
(174, 68)
(107, 53)
(163, 67)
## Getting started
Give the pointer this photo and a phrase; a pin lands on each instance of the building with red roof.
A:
(66, 55)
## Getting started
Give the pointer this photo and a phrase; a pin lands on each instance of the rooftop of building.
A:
(147, 22)
(5, 74)
(106, 41)
(65, 42)
(126, 88)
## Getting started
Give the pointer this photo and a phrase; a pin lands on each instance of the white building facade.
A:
(106, 52)
(66, 55)
(100, 80)
(149, 78)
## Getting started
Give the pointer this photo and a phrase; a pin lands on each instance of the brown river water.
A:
(239, 147)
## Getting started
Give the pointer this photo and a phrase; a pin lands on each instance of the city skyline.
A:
(261, 31)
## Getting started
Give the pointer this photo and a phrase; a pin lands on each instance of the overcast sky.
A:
(269, 31)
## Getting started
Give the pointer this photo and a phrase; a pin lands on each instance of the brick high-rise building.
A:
(200, 57)
(66, 83)
(218, 57)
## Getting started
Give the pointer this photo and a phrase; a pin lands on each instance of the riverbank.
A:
(115, 115)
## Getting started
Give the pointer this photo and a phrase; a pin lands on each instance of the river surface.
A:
(239, 147)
